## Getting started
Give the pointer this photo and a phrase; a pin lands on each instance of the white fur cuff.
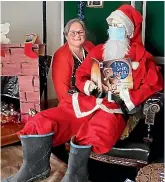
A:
(124, 95)
(86, 87)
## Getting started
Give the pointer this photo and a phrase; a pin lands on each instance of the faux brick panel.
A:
(11, 69)
(16, 63)
(36, 89)
(37, 107)
(36, 81)
(1, 66)
(33, 96)
(25, 106)
(30, 68)
(6, 58)
(22, 96)
(26, 83)
(17, 54)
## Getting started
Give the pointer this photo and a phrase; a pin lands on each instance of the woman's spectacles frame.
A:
(73, 33)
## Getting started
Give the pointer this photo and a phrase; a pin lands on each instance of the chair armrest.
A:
(151, 107)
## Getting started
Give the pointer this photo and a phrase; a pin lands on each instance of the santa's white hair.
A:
(116, 49)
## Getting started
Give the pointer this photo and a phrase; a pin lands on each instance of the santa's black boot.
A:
(36, 158)
(78, 163)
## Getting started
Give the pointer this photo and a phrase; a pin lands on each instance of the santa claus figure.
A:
(92, 124)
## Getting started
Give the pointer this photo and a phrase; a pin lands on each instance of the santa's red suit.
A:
(98, 122)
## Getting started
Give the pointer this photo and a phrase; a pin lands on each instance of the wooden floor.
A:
(11, 159)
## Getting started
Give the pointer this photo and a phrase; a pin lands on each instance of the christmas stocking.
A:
(2, 53)
(28, 50)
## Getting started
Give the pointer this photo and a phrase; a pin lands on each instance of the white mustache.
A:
(115, 49)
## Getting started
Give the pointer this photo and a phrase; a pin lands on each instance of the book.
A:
(112, 75)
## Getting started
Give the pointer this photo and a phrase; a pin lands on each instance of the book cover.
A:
(112, 75)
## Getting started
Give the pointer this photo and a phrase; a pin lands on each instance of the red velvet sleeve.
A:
(61, 75)
(83, 73)
(151, 82)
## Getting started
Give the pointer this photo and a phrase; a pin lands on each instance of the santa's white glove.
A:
(92, 86)
(89, 87)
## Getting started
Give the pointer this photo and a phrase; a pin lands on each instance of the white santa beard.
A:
(115, 49)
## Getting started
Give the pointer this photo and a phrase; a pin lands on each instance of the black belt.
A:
(114, 97)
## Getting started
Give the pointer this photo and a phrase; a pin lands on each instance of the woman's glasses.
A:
(74, 33)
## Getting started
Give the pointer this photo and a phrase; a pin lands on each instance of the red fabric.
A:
(62, 67)
(28, 51)
(61, 120)
(136, 19)
(96, 130)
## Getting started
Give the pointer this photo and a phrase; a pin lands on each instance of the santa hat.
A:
(130, 18)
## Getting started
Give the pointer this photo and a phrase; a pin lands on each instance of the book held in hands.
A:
(112, 75)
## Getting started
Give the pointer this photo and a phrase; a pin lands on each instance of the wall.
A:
(95, 20)
(155, 27)
(26, 17)
(53, 37)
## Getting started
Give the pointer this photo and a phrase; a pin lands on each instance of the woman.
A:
(57, 124)
(67, 58)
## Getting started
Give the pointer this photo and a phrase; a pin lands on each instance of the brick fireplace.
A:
(16, 63)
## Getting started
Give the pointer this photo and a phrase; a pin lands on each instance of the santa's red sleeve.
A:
(61, 75)
(151, 83)
(83, 73)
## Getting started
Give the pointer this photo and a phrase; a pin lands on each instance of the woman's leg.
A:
(61, 120)
(58, 125)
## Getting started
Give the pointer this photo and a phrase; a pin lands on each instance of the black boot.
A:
(78, 163)
(36, 158)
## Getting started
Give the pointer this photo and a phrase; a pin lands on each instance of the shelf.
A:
(8, 133)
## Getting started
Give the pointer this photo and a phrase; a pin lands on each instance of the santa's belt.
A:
(115, 98)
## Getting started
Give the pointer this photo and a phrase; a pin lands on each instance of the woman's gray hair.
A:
(70, 22)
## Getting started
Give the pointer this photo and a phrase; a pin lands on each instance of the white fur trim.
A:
(110, 97)
(135, 65)
(112, 111)
(77, 110)
(122, 18)
(124, 95)
(98, 105)
(104, 108)
(86, 87)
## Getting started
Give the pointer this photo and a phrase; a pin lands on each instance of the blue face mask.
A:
(116, 33)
